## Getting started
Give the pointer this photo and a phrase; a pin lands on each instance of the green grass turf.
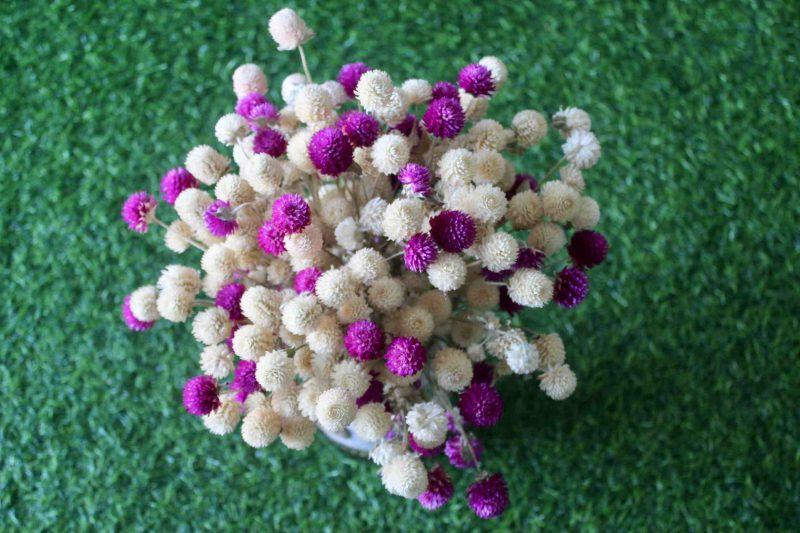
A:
(687, 412)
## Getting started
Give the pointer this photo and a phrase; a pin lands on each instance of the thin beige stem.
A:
(305, 64)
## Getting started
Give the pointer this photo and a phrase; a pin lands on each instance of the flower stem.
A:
(305, 64)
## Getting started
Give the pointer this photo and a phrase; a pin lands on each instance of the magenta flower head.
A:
(330, 151)
(481, 405)
(587, 248)
(439, 491)
(139, 210)
(571, 287)
(290, 213)
(246, 104)
(405, 356)
(459, 455)
(444, 118)
(359, 127)
(444, 89)
(269, 141)
(529, 258)
(176, 181)
(261, 115)
(476, 80)
(406, 126)
(200, 395)
(374, 393)
(488, 496)
(244, 380)
(419, 252)
(219, 219)
(133, 323)
(349, 75)
(364, 340)
(417, 178)
(422, 450)
(306, 280)
(453, 231)
(270, 239)
(229, 298)
(507, 304)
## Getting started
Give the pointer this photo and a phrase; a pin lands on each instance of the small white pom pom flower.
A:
(551, 350)
(261, 427)
(375, 90)
(336, 409)
(297, 433)
(497, 68)
(289, 30)
(216, 361)
(547, 237)
(525, 209)
(453, 369)
(386, 294)
(427, 421)
(448, 272)
(250, 342)
(313, 104)
(385, 451)
(405, 476)
(291, 85)
(530, 127)
(390, 153)
(558, 382)
(559, 200)
(457, 167)
(143, 303)
(211, 326)
(225, 418)
(274, 370)
(498, 251)
(571, 119)
(372, 422)
(582, 149)
(530, 288)
(403, 218)
(247, 79)
(586, 215)
(334, 286)
(301, 314)
(417, 91)
(206, 164)
(230, 128)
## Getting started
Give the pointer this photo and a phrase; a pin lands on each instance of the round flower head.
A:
(428, 422)
(530, 127)
(174, 182)
(452, 369)
(488, 497)
(244, 380)
(459, 454)
(448, 272)
(133, 323)
(587, 248)
(261, 426)
(330, 151)
(367, 265)
(499, 251)
(529, 258)
(387, 294)
(405, 476)
(290, 213)
(453, 231)
(476, 80)
(558, 382)
(211, 326)
(481, 405)
(229, 298)
(297, 433)
(417, 178)
(375, 91)
(206, 164)
(335, 409)
(139, 210)
(417, 91)
(559, 200)
(269, 141)
(390, 153)
(143, 303)
(422, 450)
(306, 280)
(313, 104)
(570, 119)
(248, 78)
(405, 356)
(349, 75)
(582, 149)
(219, 219)
(372, 422)
(200, 395)
(290, 86)
(444, 118)
(274, 370)
(444, 89)
(571, 287)
(530, 288)
(216, 361)
(547, 237)
(360, 128)
(587, 214)
(289, 30)
(247, 103)
(497, 68)
(270, 239)
(419, 252)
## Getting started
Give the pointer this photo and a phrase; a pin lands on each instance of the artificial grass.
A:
(686, 415)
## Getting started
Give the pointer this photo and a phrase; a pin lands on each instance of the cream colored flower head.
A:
(289, 30)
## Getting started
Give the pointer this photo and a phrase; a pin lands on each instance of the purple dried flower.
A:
(349, 75)
(529, 258)
(261, 115)
(174, 182)
(419, 252)
(571, 287)
(457, 452)
(244, 380)
(330, 151)
(200, 395)
(364, 340)
(229, 298)
(439, 491)
(219, 219)
(422, 450)
(444, 89)
(481, 405)
(417, 178)
(488, 496)
(133, 323)
(453, 231)
(269, 141)
(476, 80)
(139, 210)
(444, 118)
(290, 213)
(374, 393)
(306, 280)
(405, 356)
(587, 248)
(246, 104)
(507, 304)
(482, 372)
(359, 127)
(406, 126)
(270, 239)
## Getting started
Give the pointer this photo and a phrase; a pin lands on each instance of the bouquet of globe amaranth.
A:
(363, 260)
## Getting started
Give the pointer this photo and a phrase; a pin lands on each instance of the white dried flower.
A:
(572, 176)
(274, 370)
(261, 306)
(390, 153)
(243, 150)
(525, 209)
(416, 322)
(250, 342)
(230, 128)
(385, 451)
(371, 218)
(367, 265)
(490, 166)
(437, 303)
(297, 433)
(353, 308)
(313, 104)
(143, 303)
(386, 294)
(448, 272)
(334, 210)
(530, 288)
(427, 421)
(301, 314)
(326, 338)
(417, 91)
(530, 127)
(474, 107)
(297, 151)
(211, 326)
(372, 422)
(336, 409)
(178, 236)
(334, 286)
(488, 134)
(206, 164)
(336, 92)
(291, 85)
(481, 295)
(289, 30)
(348, 234)
(308, 397)
(476, 353)
(190, 206)
(263, 173)
(571, 119)
(234, 190)
(247, 79)
(405, 476)
(453, 369)
(255, 400)
(488, 204)
(179, 277)
(351, 376)
(551, 350)
(306, 244)
(219, 260)
(498, 251)
(457, 167)
(582, 149)
(174, 304)
(586, 215)
(547, 237)
(403, 218)
(261, 427)
(559, 201)
(497, 68)
(522, 357)
(216, 360)
(558, 382)
(375, 90)
(225, 418)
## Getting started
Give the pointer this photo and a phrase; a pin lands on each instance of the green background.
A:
(687, 411)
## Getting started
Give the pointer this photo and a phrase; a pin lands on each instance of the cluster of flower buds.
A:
(363, 257)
